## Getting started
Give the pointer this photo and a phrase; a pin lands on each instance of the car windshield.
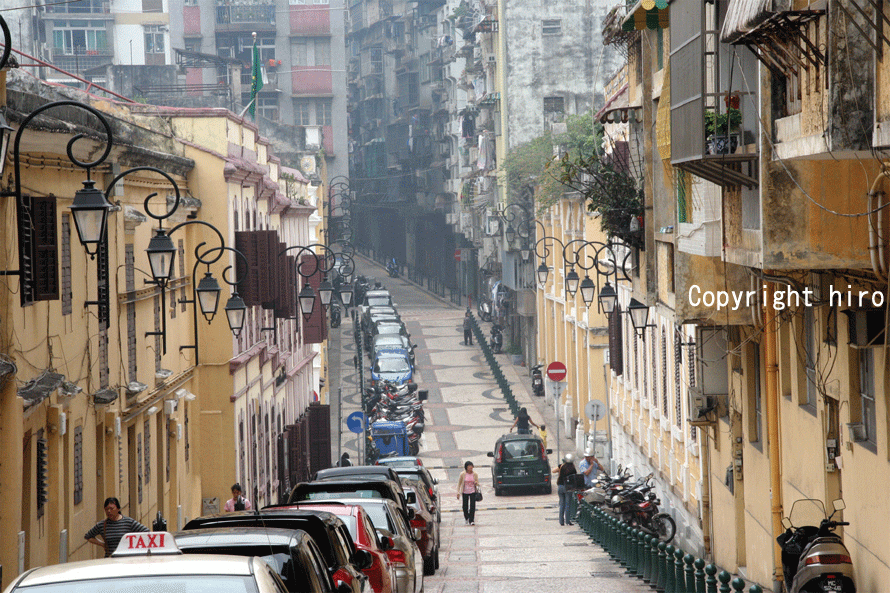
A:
(390, 340)
(393, 364)
(156, 584)
(349, 520)
(276, 556)
(389, 328)
(521, 450)
(378, 301)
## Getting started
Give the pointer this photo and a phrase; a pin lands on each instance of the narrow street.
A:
(517, 537)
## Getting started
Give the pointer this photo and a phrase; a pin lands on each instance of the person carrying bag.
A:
(468, 487)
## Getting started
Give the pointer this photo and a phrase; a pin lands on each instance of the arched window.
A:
(678, 359)
(664, 374)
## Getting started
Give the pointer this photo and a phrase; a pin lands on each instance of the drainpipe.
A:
(706, 492)
(772, 423)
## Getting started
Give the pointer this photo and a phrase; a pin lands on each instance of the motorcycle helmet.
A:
(616, 500)
(569, 458)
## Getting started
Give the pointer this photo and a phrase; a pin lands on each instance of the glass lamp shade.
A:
(639, 315)
(572, 281)
(588, 290)
(346, 295)
(307, 300)
(510, 233)
(90, 211)
(325, 292)
(161, 253)
(235, 309)
(208, 296)
(526, 253)
(608, 298)
(5, 136)
(542, 272)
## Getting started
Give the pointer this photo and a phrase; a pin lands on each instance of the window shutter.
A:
(319, 437)
(315, 329)
(616, 338)
(267, 245)
(45, 249)
(285, 304)
(247, 272)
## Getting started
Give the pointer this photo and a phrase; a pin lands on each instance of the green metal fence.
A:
(502, 382)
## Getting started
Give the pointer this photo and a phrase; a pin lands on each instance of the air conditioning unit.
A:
(169, 407)
(866, 328)
(711, 391)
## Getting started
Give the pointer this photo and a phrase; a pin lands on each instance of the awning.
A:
(647, 14)
(742, 16)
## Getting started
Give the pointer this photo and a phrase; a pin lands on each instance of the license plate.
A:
(522, 472)
(831, 585)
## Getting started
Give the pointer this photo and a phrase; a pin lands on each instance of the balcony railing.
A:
(244, 14)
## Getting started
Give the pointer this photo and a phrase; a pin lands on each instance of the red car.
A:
(424, 520)
(381, 573)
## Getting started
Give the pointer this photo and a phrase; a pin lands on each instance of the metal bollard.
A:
(679, 573)
(689, 559)
(656, 568)
(699, 575)
(662, 567)
(630, 544)
(646, 552)
(755, 589)
(710, 580)
(738, 584)
(724, 578)
(643, 554)
(670, 582)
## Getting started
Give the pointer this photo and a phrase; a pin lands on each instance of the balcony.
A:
(80, 59)
(242, 16)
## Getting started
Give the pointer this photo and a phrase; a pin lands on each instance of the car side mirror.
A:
(839, 505)
(417, 534)
(490, 454)
(362, 559)
(549, 451)
(435, 481)
(386, 543)
(411, 514)
(786, 522)
(343, 587)
(411, 497)
(423, 395)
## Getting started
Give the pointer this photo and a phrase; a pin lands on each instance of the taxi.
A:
(152, 562)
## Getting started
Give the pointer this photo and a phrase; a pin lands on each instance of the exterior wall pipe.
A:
(772, 422)
(876, 230)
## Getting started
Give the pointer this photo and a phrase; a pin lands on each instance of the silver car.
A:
(390, 521)
(165, 570)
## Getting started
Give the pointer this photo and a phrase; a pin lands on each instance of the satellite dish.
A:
(307, 163)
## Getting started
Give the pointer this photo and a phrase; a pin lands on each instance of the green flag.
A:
(256, 84)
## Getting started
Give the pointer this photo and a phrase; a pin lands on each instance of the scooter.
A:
(815, 558)
(497, 339)
(392, 268)
(485, 311)
(335, 315)
(537, 380)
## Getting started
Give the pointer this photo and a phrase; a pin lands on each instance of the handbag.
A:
(477, 496)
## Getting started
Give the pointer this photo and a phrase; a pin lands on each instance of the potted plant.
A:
(515, 352)
(722, 130)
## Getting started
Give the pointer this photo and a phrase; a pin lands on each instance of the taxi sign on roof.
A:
(147, 544)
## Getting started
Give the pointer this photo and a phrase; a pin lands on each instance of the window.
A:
(652, 363)
(678, 361)
(146, 429)
(756, 431)
(692, 360)
(323, 113)
(636, 357)
(65, 268)
(186, 430)
(552, 27)
(664, 374)
(554, 108)
(321, 1)
(322, 52)
(659, 48)
(78, 465)
(154, 39)
(867, 393)
(267, 106)
(299, 54)
(809, 320)
(684, 202)
(425, 67)
(80, 37)
(139, 467)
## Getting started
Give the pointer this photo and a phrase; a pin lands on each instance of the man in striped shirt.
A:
(113, 528)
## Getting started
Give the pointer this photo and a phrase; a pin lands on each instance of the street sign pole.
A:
(556, 388)
(339, 422)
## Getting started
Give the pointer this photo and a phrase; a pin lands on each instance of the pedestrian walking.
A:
(521, 424)
(468, 486)
(468, 329)
(344, 460)
(567, 499)
(237, 502)
(113, 528)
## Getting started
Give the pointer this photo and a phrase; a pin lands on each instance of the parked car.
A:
(412, 468)
(390, 521)
(382, 572)
(425, 521)
(292, 553)
(375, 298)
(372, 311)
(388, 327)
(393, 365)
(343, 561)
(358, 471)
(151, 562)
(366, 487)
(382, 341)
(520, 460)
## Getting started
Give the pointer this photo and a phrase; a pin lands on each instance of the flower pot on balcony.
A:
(723, 144)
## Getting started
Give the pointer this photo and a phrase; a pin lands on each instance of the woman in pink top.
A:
(468, 485)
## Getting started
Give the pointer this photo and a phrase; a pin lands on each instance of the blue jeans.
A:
(567, 505)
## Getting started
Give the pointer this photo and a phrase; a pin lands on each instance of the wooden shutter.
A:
(45, 249)
(616, 339)
(285, 303)
(315, 329)
(319, 437)
(247, 272)
(268, 243)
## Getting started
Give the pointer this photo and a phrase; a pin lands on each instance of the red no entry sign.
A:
(556, 371)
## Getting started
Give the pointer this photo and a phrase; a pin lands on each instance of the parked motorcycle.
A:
(335, 315)
(497, 339)
(537, 380)
(815, 558)
(638, 507)
(485, 311)
(392, 268)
